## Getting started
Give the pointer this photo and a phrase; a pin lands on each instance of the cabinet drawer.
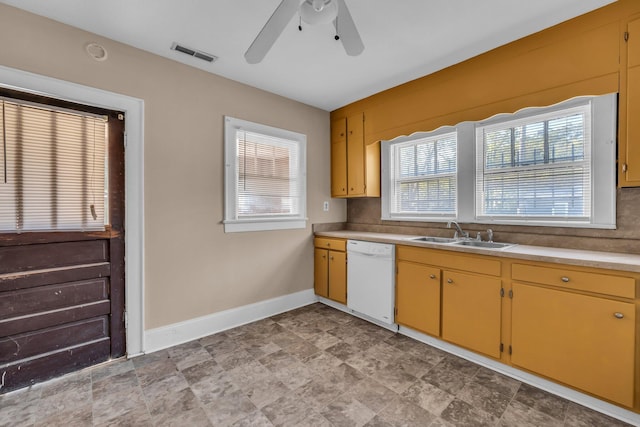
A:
(579, 280)
(328, 243)
(451, 260)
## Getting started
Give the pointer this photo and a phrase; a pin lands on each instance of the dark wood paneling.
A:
(117, 299)
(34, 237)
(30, 279)
(25, 373)
(24, 324)
(23, 346)
(52, 297)
(116, 244)
(35, 257)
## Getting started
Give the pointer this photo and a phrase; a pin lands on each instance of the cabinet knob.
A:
(324, 256)
(351, 188)
(565, 279)
(618, 315)
(432, 276)
(328, 244)
(624, 167)
(331, 258)
(449, 280)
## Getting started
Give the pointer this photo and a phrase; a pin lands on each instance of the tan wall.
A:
(192, 267)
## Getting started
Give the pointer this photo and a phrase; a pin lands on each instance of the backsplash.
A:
(364, 215)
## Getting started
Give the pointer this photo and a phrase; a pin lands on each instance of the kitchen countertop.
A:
(606, 260)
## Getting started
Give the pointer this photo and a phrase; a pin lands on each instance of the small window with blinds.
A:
(265, 178)
(536, 167)
(423, 173)
(52, 168)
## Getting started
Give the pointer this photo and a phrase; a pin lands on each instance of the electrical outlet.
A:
(325, 206)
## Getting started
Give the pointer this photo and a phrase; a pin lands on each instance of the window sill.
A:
(263, 225)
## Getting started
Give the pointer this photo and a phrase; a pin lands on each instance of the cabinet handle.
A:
(449, 280)
(618, 315)
(565, 279)
(432, 276)
(624, 167)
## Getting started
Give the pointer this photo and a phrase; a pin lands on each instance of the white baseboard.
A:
(189, 330)
(551, 387)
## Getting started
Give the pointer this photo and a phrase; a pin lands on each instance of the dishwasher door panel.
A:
(370, 286)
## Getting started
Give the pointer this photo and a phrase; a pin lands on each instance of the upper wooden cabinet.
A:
(629, 150)
(355, 166)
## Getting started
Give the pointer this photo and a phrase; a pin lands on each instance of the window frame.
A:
(232, 223)
(389, 163)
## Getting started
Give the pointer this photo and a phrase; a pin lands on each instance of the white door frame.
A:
(134, 180)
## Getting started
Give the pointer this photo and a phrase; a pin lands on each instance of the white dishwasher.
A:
(371, 279)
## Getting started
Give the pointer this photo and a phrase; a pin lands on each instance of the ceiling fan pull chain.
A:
(337, 37)
(300, 23)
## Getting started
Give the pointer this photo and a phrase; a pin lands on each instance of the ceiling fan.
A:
(312, 12)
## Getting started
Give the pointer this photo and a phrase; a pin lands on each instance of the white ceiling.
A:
(404, 39)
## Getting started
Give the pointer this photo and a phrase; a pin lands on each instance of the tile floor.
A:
(314, 366)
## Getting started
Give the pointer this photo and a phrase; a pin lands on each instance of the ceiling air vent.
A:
(193, 52)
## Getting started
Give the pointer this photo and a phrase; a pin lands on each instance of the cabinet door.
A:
(338, 276)
(339, 158)
(355, 155)
(632, 174)
(630, 148)
(471, 311)
(418, 297)
(321, 272)
(583, 341)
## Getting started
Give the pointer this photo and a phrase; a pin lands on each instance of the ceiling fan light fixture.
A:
(318, 11)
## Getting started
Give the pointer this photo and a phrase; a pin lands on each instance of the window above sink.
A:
(545, 166)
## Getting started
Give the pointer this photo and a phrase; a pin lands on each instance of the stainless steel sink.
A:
(432, 239)
(479, 244)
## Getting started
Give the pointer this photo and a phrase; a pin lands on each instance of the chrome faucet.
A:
(489, 235)
(459, 231)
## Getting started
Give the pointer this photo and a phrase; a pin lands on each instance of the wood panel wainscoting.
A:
(62, 293)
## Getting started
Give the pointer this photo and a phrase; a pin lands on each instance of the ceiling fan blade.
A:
(271, 31)
(346, 29)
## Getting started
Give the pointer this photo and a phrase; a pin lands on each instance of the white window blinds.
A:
(53, 168)
(424, 177)
(536, 167)
(268, 173)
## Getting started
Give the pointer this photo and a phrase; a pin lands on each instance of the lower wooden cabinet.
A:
(471, 311)
(418, 297)
(330, 269)
(435, 297)
(583, 341)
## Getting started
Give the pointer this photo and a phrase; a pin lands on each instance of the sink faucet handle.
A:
(478, 237)
(489, 235)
